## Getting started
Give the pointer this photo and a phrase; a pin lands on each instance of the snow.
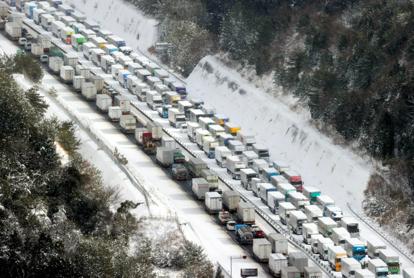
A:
(138, 30)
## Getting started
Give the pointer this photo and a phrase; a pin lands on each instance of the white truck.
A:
(279, 243)
(221, 154)
(351, 225)
(262, 249)
(296, 220)
(103, 102)
(284, 211)
(89, 90)
(70, 59)
(374, 246)
(349, 266)
(324, 201)
(277, 262)
(378, 267)
(313, 213)
(66, 74)
(231, 200)
(213, 202)
(365, 273)
(247, 139)
(199, 135)
(334, 212)
(298, 199)
(205, 122)
(154, 100)
(264, 189)
(55, 63)
(323, 244)
(339, 235)
(200, 187)
(78, 81)
(246, 213)
(191, 129)
(114, 113)
(236, 147)
(246, 176)
(216, 130)
(176, 118)
(285, 189)
(274, 199)
(86, 49)
(325, 225)
(209, 145)
(314, 242)
(128, 123)
(106, 63)
(234, 165)
(308, 230)
(248, 157)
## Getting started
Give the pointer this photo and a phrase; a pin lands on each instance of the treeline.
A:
(56, 220)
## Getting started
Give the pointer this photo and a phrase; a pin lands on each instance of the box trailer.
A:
(262, 249)
(213, 202)
(200, 187)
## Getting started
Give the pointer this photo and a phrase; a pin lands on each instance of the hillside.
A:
(349, 62)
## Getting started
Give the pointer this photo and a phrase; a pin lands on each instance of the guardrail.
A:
(276, 226)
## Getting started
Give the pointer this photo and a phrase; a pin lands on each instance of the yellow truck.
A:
(335, 255)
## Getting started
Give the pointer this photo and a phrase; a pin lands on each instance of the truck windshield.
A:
(353, 228)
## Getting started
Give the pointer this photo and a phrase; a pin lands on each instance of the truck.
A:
(78, 82)
(355, 248)
(309, 229)
(211, 177)
(246, 176)
(278, 242)
(157, 132)
(128, 123)
(70, 59)
(285, 189)
(296, 220)
(165, 156)
(248, 157)
(291, 272)
(349, 266)
(199, 134)
(365, 273)
(262, 249)
(95, 56)
(200, 187)
(216, 130)
(323, 244)
(351, 225)
(335, 256)
(225, 138)
(313, 213)
(205, 122)
(66, 74)
(294, 179)
(391, 259)
(312, 272)
(114, 113)
(123, 102)
(117, 41)
(325, 226)
(339, 236)
(246, 213)
(324, 201)
(264, 189)
(106, 63)
(55, 63)
(143, 74)
(311, 193)
(103, 102)
(378, 267)
(66, 34)
(141, 90)
(191, 131)
(298, 199)
(261, 151)
(267, 173)
(334, 212)
(123, 77)
(276, 180)
(232, 128)
(86, 49)
(13, 30)
(374, 246)
(175, 117)
(185, 106)
(244, 234)
(277, 262)
(313, 241)
(195, 166)
(298, 260)
(154, 100)
(274, 199)
(247, 139)
(231, 200)
(220, 154)
(236, 147)
(234, 165)
(284, 211)
(179, 172)
(213, 202)
(131, 83)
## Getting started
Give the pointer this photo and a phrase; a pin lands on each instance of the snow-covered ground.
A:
(138, 30)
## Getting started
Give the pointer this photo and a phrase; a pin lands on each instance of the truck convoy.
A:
(302, 208)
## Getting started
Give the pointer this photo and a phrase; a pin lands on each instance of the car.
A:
(44, 58)
(231, 225)
(22, 41)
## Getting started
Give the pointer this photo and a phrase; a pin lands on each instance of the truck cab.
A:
(308, 230)
(298, 199)
(355, 248)
(296, 220)
(391, 259)
(378, 267)
(274, 199)
(246, 176)
(294, 179)
(351, 225)
(349, 266)
(334, 212)
(221, 154)
(335, 256)
(312, 193)
(284, 211)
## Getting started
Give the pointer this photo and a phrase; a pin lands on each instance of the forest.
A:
(58, 220)
(350, 62)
